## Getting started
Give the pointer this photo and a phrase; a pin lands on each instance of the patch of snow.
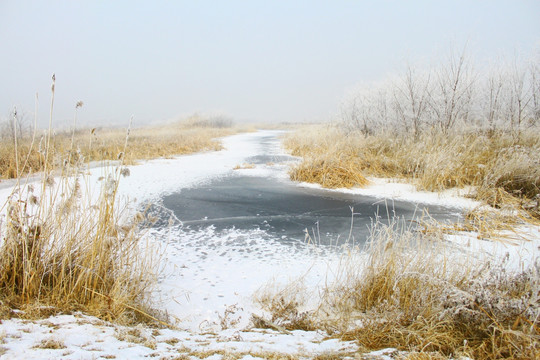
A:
(83, 337)
(519, 248)
(207, 273)
(393, 189)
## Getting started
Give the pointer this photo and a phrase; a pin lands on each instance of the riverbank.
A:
(469, 315)
(208, 278)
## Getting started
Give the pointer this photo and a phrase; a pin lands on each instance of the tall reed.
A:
(413, 292)
(499, 165)
(64, 247)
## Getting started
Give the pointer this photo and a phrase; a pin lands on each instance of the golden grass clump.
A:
(496, 163)
(61, 249)
(64, 248)
(98, 144)
(330, 172)
(405, 291)
(324, 163)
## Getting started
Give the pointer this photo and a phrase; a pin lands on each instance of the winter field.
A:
(100, 258)
(210, 283)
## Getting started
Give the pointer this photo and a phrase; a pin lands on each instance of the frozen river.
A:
(266, 200)
(232, 228)
(235, 231)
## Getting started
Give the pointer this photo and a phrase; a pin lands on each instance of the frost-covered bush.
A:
(453, 94)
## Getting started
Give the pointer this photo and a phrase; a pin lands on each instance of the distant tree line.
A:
(453, 95)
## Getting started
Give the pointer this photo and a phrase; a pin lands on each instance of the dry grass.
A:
(330, 172)
(52, 344)
(64, 250)
(137, 335)
(244, 166)
(98, 144)
(406, 291)
(503, 168)
(325, 162)
(283, 303)
(64, 247)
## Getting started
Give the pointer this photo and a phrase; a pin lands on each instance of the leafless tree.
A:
(451, 98)
(355, 112)
(519, 96)
(381, 112)
(503, 97)
(534, 71)
(490, 100)
(411, 95)
(15, 125)
(350, 114)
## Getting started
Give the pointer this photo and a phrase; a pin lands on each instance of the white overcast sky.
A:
(253, 60)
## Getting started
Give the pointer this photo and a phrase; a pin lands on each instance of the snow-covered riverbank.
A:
(209, 278)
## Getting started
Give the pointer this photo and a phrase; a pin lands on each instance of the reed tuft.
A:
(410, 291)
(502, 168)
(64, 248)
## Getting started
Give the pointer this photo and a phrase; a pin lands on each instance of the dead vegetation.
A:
(52, 344)
(410, 291)
(504, 170)
(81, 145)
(500, 170)
(65, 248)
(284, 304)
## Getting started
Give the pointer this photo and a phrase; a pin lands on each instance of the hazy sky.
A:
(253, 60)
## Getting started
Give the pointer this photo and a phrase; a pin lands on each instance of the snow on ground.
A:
(209, 278)
(519, 249)
(396, 190)
(82, 337)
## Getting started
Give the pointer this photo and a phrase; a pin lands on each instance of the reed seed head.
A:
(125, 172)
(49, 180)
(33, 200)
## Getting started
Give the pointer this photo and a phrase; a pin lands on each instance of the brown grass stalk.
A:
(504, 169)
(63, 249)
(411, 291)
